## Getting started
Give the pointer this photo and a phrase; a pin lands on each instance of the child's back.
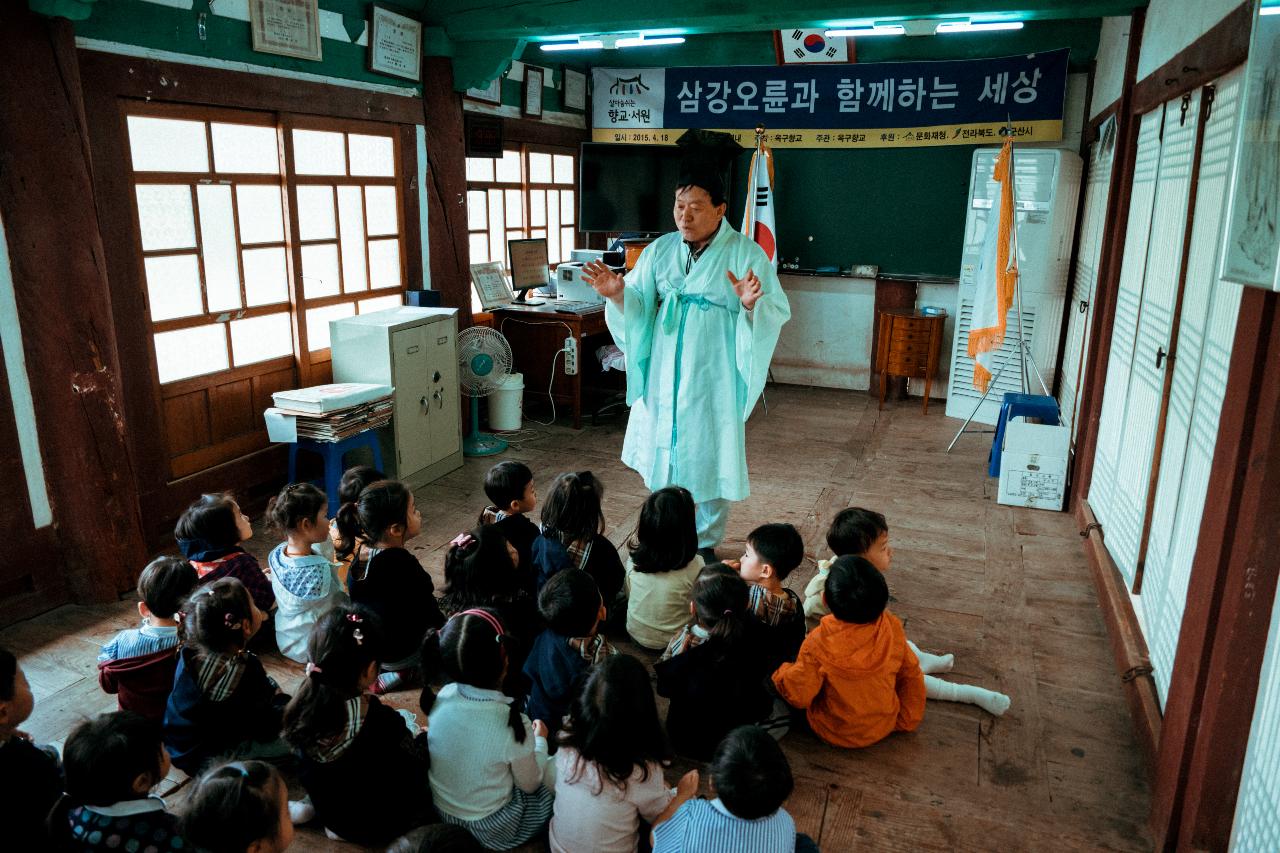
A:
(855, 675)
(396, 588)
(509, 487)
(573, 536)
(662, 566)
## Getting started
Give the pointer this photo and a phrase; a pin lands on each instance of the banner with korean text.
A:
(868, 105)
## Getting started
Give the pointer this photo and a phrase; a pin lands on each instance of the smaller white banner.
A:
(627, 98)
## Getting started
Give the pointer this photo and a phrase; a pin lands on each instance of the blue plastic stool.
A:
(332, 453)
(1016, 405)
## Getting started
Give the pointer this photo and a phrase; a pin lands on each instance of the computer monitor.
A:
(529, 267)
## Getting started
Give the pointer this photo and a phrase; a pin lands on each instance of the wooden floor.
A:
(1006, 590)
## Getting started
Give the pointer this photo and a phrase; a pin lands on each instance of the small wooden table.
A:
(908, 345)
(536, 333)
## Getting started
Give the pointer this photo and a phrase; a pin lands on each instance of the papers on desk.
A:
(287, 423)
(329, 398)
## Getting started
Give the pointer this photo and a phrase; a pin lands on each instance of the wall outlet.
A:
(570, 355)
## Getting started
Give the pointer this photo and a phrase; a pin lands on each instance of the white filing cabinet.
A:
(415, 351)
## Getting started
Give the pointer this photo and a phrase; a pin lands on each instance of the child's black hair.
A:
(379, 506)
(856, 590)
(574, 507)
(8, 674)
(214, 617)
(104, 755)
(570, 603)
(436, 838)
(613, 722)
(233, 805)
(468, 650)
(751, 775)
(479, 573)
(354, 479)
(343, 642)
(165, 583)
(213, 520)
(779, 545)
(855, 530)
(296, 503)
(667, 535)
(506, 482)
(720, 603)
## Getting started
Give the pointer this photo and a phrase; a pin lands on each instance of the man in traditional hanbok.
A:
(698, 318)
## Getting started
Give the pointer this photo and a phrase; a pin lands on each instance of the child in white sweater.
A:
(490, 771)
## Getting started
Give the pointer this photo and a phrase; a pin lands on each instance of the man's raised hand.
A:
(748, 288)
(606, 282)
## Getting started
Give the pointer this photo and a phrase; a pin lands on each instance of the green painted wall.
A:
(901, 209)
(165, 28)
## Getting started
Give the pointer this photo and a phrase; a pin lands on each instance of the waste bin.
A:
(506, 403)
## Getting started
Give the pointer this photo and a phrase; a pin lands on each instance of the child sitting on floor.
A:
(304, 581)
(864, 533)
(714, 670)
(209, 534)
(772, 552)
(341, 734)
(481, 570)
(112, 762)
(573, 535)
(490, 771)
(856, 676)
(609, 766)
(509, 487)
(662, 567)
(751, 779)
(138, 664)
(33, 779)
(391, 583)
(239, 807)
(353, 482)
(223, 703)
(573, 609)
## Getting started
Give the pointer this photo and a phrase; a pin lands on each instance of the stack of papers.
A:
(328, 413)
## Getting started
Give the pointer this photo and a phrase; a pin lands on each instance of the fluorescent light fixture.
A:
(589, 44)
(647, 42)
(877, 30)
(1269, 10)
(975, 27)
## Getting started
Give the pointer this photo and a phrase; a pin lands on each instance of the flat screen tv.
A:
(630, 188)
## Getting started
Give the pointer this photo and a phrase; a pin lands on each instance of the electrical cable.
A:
(552, 383)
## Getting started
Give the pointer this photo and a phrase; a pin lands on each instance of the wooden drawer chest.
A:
(908, 345)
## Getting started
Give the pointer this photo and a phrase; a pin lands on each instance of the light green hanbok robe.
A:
(696, 362)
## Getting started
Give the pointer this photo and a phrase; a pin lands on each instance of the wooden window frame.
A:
(527, 188)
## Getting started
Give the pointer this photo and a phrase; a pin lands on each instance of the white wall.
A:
(1171, 25)
(940, 294)
(1113, 49)
(827, 342)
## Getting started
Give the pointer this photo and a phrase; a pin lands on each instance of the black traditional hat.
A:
(705, 158)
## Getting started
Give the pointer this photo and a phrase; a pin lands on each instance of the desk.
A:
(536, 333)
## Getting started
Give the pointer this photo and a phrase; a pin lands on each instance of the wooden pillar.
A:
(446, 188)
(1224, 630)
(46, 196)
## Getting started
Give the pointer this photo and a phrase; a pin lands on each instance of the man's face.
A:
(696, 217)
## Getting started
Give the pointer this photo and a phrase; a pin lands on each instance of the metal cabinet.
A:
(415, 351)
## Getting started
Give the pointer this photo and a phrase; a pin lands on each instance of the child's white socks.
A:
(932, 663)
(988, 700)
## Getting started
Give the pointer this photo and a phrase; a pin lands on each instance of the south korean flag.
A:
(795, 46)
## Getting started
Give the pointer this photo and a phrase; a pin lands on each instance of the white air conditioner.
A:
(1046, 192)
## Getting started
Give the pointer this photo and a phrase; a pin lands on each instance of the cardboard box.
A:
(1033, 465)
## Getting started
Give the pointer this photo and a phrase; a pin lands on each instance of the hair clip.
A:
(355, 617)
(231, 621)
(179, 616)
(358, 636)
(727, 612)
(312, 669)
(462, 540)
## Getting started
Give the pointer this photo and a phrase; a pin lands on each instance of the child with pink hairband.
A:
(490, 769)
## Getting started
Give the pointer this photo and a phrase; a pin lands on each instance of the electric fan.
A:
(484, 359)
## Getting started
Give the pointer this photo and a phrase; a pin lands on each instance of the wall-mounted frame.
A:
(395, 44)
(575, 89)
(286, 28)
(491, 94)
(1251, 250)
(532, 92)
(483, 135)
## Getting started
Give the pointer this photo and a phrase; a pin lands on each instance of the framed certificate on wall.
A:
(286, 28)
(395, 44)
(533, 91)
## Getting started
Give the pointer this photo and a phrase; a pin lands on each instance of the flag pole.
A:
(1023, 376)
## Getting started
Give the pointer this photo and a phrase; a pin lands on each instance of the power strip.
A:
(570, 355)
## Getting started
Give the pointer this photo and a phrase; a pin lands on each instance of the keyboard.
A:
(576, 307)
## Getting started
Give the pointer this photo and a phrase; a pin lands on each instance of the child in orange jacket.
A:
(856, 676)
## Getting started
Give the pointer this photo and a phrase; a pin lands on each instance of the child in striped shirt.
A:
(751, 779)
